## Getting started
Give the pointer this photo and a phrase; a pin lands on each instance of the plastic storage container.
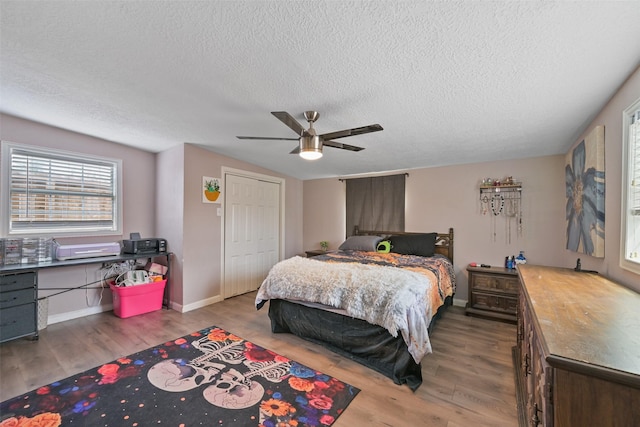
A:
(139, 299)
(36, 250)
(12, 251)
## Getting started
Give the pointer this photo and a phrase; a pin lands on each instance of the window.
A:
(630, 239)
(375, 203)
(50, 192)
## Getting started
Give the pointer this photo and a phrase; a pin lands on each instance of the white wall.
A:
(611, 118)
(170, 213)
(162, 198)
(443, 197)
(201, 260)
(139, 174)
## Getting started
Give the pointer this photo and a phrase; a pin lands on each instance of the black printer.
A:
(144, 246)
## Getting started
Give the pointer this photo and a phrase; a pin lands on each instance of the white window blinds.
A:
(630, 238)
(634, 164)
(53, 192)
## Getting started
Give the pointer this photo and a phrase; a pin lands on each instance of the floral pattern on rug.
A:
(210, 377)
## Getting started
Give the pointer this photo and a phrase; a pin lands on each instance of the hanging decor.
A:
(497, 204)
(210, 190)
(585, 189)
(502, 198)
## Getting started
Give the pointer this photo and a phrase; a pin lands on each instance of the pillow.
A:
(361, 243)
(414, 244)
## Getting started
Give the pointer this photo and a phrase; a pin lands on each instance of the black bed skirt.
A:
(370, 345)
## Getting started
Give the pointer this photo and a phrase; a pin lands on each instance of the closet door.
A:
(252, 232)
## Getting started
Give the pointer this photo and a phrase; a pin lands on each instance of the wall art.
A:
(585, 190)
(210, 190)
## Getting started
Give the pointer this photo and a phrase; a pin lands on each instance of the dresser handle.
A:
(8, 300)
(12, 322)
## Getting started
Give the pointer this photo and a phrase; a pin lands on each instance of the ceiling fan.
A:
(309, 142)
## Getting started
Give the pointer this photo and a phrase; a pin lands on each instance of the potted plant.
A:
(324, 245)
(211, 190)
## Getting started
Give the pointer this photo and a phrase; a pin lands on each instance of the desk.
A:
(19, 290)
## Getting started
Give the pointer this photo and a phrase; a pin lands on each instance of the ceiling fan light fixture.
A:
(310, 147)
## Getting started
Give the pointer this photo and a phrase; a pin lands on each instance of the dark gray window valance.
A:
(375, 203)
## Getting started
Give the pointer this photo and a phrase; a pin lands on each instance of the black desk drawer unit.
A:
(18, 305)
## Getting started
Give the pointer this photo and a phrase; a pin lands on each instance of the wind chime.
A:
(502, 198)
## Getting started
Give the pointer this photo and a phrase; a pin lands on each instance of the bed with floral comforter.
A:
(375, 308)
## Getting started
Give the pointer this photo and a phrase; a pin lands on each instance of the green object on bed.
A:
(384, 247)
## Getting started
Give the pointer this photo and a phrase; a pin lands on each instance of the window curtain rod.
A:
(376, 176)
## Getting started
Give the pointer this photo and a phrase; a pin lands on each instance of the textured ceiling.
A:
(450, 82)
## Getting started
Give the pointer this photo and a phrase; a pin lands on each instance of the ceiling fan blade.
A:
(288, 120)
(341, 145)
(267, 138)
(352, 132)
(295, 150)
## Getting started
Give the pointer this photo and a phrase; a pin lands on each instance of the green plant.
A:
(324, 245)
(212, 185)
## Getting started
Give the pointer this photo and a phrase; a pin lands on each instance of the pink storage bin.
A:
(139, 299)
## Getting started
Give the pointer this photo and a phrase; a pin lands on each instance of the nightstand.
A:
(493, 293)
(316, 252)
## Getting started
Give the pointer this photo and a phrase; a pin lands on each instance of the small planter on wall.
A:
(210, 190)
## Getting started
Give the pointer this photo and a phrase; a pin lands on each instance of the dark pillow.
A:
(361, 243)
(414, 244)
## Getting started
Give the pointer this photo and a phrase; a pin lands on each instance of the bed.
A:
(373, 307)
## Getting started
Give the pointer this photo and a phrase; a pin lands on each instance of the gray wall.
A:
(139, 192)
(162, 198)
(443, 197)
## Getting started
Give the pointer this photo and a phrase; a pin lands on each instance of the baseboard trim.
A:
(195, 305)
(459, 302)
(70, 315)
(62, 317)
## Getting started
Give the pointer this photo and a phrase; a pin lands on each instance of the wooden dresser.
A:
(493, 293)
(578, 349)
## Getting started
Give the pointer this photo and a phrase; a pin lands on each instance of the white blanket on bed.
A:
(390, 297)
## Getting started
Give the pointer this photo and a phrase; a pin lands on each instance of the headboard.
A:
(444, 241)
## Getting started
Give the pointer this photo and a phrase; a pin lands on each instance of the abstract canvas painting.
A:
(585, 189)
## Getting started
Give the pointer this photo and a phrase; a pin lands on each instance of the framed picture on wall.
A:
(210, 190)
(585, 189)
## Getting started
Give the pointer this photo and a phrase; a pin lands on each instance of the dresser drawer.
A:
(495, 283)
(23, 296)
(14, 282)
(17, 321)
(494, 302)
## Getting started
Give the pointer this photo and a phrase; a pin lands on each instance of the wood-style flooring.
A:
(468, 379)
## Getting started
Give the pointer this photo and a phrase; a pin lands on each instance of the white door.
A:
(252, 232)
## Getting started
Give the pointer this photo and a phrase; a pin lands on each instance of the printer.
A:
(151, 245)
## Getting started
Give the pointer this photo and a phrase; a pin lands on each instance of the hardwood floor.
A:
(468, 379)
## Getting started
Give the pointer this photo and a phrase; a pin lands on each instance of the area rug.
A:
(210, 377)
